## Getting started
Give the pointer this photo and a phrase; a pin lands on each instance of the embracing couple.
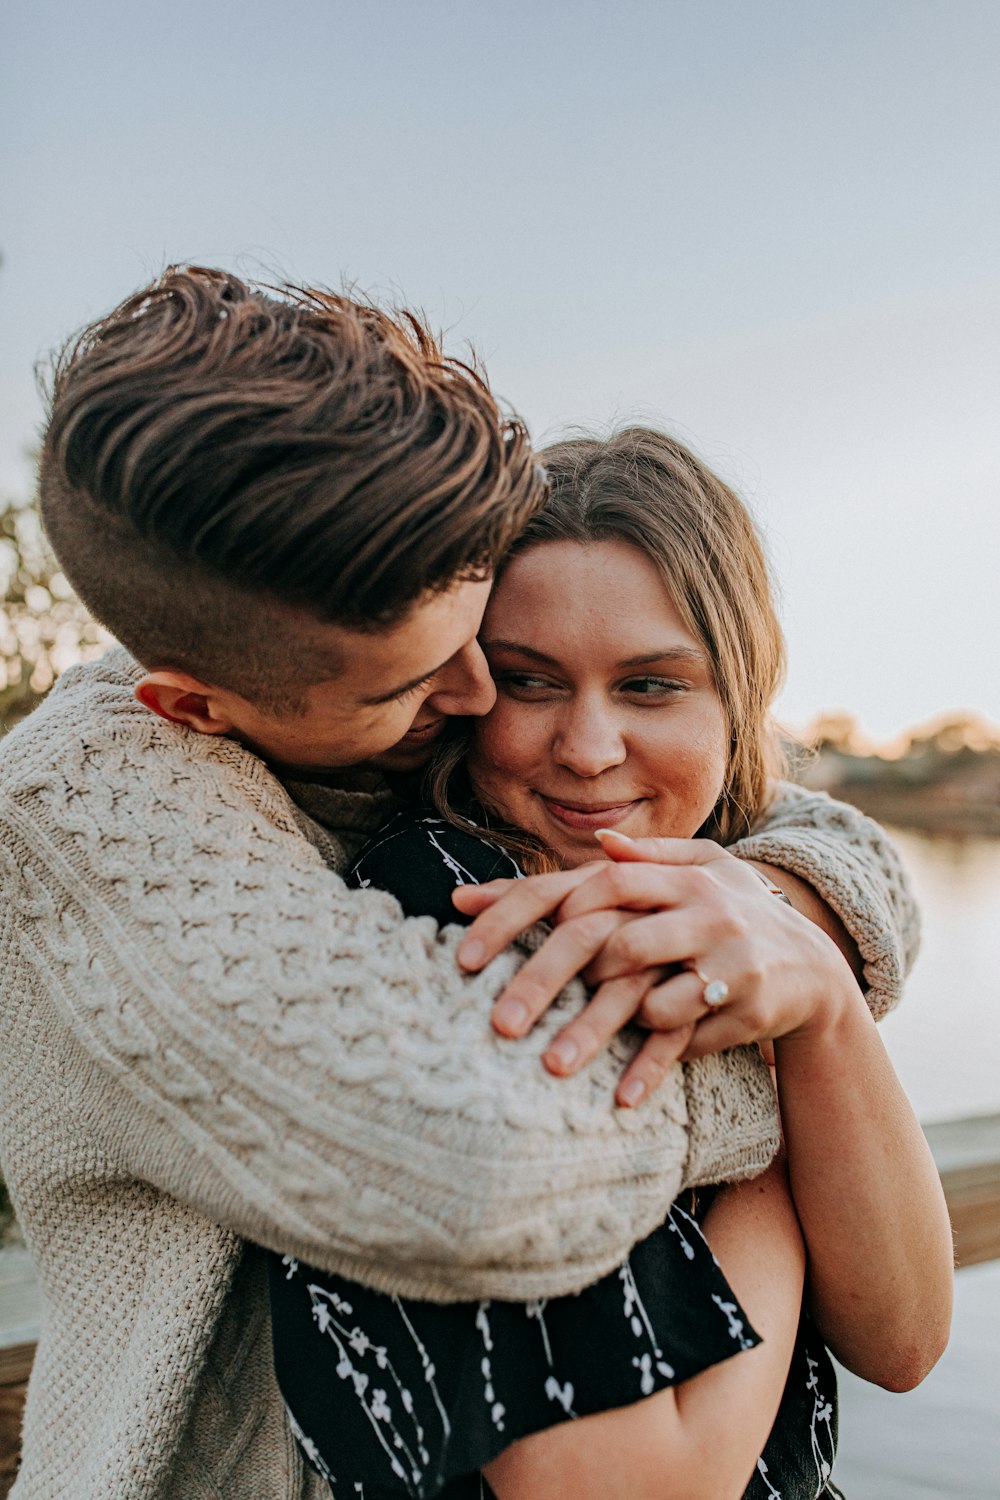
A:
(388, 927)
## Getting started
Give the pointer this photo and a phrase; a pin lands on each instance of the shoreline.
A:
(932, 815)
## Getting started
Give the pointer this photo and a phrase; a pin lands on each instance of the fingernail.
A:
(630, 1093)
(563, 1053)
(470, 953)
(510, 1016)
(612, 833)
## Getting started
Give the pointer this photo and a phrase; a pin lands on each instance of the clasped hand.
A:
(645, 929)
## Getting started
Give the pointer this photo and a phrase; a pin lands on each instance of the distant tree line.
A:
(43, 626)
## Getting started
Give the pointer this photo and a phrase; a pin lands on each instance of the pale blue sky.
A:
(773, 227)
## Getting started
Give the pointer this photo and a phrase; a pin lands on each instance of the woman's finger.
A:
(719, 1031)
(520, 905)
(472, 899)
(651, 1065)
(678, 935)
(676, 1002)
(619, 846)
(560, 958)
(611, 1008)
(638, 886)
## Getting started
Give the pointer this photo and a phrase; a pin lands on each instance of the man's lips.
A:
(423, 733)
(588, 815)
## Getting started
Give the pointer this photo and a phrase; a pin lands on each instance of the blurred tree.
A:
(43, 626)
(43, 629)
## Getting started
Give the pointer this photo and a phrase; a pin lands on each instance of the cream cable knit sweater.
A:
(207, 1039)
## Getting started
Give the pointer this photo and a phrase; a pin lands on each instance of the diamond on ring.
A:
(716, 993)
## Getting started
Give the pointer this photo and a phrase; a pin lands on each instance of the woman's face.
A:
(607, 714)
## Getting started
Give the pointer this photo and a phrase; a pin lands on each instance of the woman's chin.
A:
(570, 849)
(571, 858)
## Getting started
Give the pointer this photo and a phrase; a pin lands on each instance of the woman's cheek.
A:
(503, 755)
(500, 737)
(493, 752)
(701, 766)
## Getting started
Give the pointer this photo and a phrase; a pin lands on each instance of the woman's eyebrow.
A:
(521, 648)
(692, 655)
(678, 654)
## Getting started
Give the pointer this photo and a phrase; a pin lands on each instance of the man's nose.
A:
(464, 686)
(588, 740)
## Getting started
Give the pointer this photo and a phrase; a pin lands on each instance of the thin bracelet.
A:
(774, 889)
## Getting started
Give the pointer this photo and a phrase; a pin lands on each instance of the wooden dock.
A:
(20, 1315)
(967, 1153)
(20, 1324)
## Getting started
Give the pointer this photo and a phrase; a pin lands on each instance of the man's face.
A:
(393, 695)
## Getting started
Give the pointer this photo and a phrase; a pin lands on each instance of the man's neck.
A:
(406, 785)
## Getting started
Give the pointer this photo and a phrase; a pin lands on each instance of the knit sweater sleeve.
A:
(854, 866)
(293, 1059)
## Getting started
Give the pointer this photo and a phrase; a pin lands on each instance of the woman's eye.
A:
(521, 682)
(652, 687)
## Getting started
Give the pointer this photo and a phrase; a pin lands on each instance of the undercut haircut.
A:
(227, 464)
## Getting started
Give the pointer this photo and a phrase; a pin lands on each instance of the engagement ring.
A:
(715, 991)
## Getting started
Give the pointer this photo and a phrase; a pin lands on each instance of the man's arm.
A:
(292, 1058)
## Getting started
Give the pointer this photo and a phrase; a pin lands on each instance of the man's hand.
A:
(648, 926)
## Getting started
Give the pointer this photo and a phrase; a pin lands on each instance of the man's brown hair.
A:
(223, 460)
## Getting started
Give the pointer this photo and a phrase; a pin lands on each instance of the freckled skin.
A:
(583, 735)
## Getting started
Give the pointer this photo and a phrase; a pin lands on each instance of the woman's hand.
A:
(637, 926)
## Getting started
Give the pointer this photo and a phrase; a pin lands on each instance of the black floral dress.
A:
(390, 1397)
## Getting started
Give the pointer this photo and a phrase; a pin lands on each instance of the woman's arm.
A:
(698, 1440)
(869, 1198)
(865, 1185)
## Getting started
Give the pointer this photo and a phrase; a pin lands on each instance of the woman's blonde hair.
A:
(646, 489)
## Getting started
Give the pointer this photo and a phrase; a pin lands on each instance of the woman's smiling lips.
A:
(588, 815)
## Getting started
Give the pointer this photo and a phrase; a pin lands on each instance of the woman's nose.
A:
(589, 741)
(464, 685)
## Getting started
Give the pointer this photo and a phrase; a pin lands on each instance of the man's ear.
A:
(185, 700)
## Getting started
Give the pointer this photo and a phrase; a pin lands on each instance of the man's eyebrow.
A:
(397, 692)
(680, 654)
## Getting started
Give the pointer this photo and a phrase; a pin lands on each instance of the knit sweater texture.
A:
(209, 1044)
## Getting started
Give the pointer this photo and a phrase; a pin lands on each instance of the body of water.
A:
(944, 1039)
(942, 1441)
